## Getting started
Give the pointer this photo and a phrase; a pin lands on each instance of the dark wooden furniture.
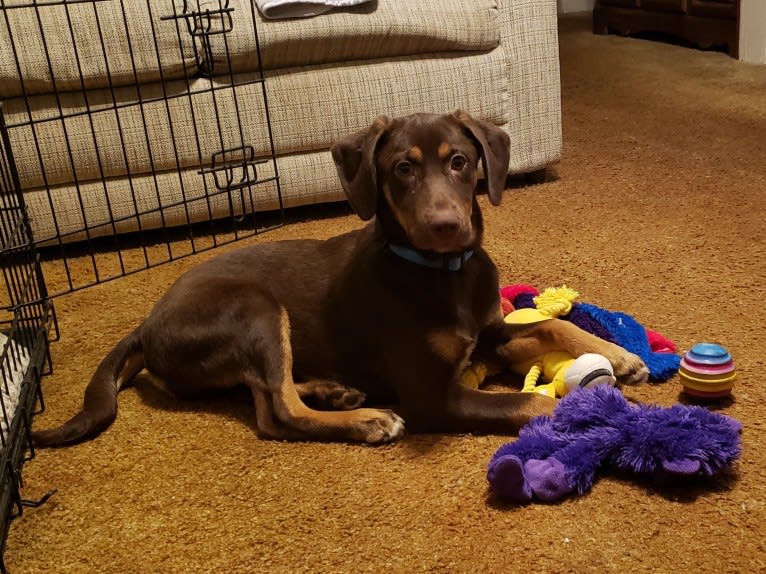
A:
(706, 23)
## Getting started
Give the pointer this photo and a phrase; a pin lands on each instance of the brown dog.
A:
(392, 312)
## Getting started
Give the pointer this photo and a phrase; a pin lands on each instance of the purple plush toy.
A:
(555, 456)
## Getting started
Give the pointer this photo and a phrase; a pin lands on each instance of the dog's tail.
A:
(99, 407)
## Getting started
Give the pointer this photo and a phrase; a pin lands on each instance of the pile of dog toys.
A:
(594, 427)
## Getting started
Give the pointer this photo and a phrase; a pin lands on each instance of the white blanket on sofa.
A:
(274, 9)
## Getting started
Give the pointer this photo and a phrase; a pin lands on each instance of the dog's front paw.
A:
(628, 368)
(378, 426)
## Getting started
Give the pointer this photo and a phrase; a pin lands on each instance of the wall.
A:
(568, 6)
(752, 31)
(752, 27)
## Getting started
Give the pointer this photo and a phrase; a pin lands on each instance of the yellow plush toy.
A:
(561, 371)
(566, 373)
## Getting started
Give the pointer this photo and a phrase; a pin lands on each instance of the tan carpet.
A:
(657, 211)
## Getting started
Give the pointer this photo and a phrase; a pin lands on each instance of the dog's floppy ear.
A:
(354, 157)
(495, 152)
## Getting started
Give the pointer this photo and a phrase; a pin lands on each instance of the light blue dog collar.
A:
(437, 261)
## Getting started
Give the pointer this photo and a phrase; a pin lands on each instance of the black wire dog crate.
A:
(145, 137)
(138, 138)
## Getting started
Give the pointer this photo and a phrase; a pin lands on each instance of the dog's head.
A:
(419, 174)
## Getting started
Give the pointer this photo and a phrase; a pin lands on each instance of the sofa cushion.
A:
(377, 30)
(91, 45)
(160, 41)
(309, 109)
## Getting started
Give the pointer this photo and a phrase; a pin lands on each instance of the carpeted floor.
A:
(657, 209)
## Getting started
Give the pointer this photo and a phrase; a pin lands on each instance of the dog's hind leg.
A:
(329, 395)
(282, 414)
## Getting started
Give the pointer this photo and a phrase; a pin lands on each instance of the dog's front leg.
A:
(527, 343)
(488, 411)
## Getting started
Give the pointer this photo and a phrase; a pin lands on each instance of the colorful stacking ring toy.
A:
(707, 371)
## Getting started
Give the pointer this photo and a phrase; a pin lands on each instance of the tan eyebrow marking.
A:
(444, 150)
(415, 154)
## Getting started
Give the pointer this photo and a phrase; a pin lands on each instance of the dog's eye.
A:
(458, 162)
(404, 168)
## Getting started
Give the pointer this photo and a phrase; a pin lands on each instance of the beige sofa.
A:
(122, 114)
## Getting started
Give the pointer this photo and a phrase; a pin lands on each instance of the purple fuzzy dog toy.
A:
(555, 456)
